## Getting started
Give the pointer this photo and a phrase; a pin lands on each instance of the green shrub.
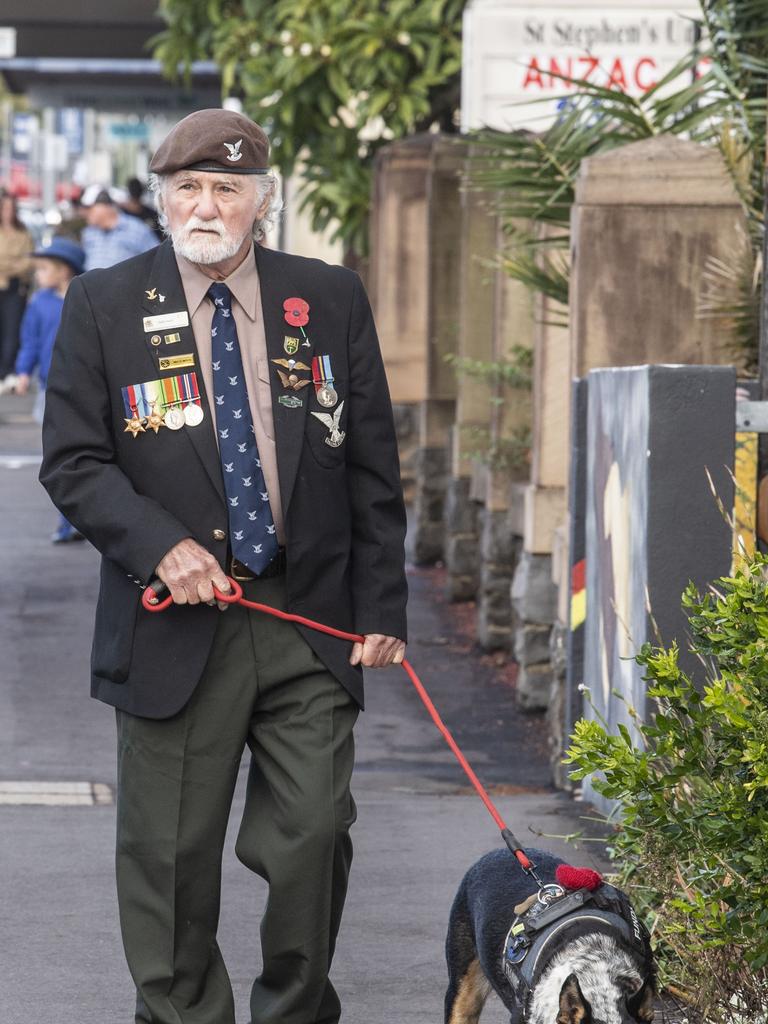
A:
(691, 841)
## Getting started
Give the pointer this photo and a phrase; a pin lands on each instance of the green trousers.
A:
(263, 687)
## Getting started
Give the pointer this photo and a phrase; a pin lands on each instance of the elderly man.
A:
(111, 236)
(216, 408)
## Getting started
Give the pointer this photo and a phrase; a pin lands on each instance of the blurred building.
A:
(85, 102)
(96, 103)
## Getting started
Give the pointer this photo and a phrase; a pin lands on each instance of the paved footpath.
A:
(418, 829)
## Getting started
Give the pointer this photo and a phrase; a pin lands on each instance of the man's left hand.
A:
(378, 651)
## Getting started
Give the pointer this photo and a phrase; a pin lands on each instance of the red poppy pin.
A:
(296, 312)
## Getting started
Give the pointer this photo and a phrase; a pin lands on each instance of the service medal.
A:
(193, 414)
(322, 378)
(155, 420)
(134, 426)
(327, 396)
(174, 418)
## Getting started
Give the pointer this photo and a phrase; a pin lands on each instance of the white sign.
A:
(7, 43)
(516, 52)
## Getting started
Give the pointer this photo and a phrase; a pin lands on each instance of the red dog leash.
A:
(152, 603)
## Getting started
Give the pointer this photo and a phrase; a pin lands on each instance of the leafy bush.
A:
(691, 840)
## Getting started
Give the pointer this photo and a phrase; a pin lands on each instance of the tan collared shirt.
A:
(247, 311)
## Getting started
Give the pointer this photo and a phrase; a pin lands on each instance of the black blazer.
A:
(135, 498)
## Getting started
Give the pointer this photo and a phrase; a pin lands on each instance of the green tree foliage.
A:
(330, 80)
(717, 97)
(692, 785)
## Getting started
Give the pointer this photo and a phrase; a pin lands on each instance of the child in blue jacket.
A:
(55, 266)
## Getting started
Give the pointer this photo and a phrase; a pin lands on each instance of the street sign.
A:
(24, 129)
(129, 130)
(517, 52)
(7, 43)
(70, 122)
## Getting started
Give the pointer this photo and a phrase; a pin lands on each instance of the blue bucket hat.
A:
(66, 250)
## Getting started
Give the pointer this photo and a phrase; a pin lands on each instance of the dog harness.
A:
(557, 916)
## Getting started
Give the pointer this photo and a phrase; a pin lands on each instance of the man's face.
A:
(210, 215)
(101, 215)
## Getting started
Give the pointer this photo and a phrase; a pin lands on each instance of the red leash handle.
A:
(152, 603)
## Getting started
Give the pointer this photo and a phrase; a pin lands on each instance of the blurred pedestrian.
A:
(74, 221)
(134, 207)
(55, 266)
(111, 235)
(16, 247)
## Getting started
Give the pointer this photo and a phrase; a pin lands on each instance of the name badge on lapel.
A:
(166, 321)
(176, 362)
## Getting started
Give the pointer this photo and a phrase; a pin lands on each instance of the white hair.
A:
(267, 186)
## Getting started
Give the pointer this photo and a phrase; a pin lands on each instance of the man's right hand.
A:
(190, 573)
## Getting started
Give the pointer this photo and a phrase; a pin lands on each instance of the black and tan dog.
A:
(567, 957)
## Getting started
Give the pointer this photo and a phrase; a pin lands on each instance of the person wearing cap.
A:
(55, 266)
(111, 234)
(219, 409)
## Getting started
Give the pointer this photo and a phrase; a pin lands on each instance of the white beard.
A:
(208, 248)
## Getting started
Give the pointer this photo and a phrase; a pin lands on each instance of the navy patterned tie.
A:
(251, 527)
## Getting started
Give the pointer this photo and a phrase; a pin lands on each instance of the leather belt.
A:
(242, 573)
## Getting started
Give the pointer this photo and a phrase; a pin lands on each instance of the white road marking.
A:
(19, 461)
(55, 794)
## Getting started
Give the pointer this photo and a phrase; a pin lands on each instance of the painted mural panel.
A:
(616, 526)
(659, 440)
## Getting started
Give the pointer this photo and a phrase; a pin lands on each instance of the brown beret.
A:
(213, 140)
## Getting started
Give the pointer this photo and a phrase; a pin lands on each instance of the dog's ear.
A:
(574, 1008)
(640, 1005)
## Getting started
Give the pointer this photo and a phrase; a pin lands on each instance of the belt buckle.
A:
(234, 565)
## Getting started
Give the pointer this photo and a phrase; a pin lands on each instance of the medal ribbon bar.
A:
(166, 393)
(321, 370)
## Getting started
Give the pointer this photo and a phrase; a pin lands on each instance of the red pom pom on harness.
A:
(578, 878)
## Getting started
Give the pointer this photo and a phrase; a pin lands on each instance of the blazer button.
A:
(219, 535)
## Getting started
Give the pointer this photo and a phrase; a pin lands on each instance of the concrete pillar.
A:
(437, 409)
(398, 282)
(534, 594)
(509, 462)
(471, 429)
(647, 218)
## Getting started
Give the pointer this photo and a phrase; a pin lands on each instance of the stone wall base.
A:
(429, 505)
(534, 603)
(406, 415)
(462, 542)
(499, 551)
(558, 741)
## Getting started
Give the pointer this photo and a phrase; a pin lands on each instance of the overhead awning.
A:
(96, 53)
(137, 85)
